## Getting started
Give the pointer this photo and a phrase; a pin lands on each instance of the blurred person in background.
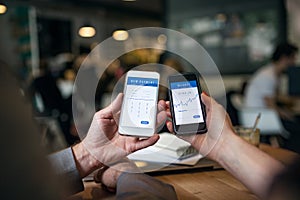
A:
(107, 82)
(27, 174)
(53, 104)
(262, 91)
(65, 84)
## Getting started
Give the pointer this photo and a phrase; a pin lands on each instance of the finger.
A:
(117, 103)
(169, 126)
(160, 120)
(167, 108)
(167, 105)
(161, 105)
(169, 123)
(161, 114)
(161, 117)
(116, 110)
(112, 110)
(146, 142)
(169, 115)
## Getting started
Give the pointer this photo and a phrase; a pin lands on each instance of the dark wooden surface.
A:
(206, 180)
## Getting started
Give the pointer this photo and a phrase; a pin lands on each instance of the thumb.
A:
(206, 100)
(143, 143)
(113, 109)
(117, 103)
(161, 117)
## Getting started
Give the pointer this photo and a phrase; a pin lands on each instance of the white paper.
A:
(157, 154)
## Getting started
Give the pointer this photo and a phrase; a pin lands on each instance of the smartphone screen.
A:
(138, 115)
(186, 106)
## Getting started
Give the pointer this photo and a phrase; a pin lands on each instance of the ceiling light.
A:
(3, 8)
(162, 39)
(120, 35)
(129, 0)
(87, 31)
(221, 17)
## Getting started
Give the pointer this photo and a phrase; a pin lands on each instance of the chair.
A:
(269, 124)
(51, 136)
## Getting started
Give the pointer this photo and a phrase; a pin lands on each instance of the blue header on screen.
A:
(185, 84)
(152, 82)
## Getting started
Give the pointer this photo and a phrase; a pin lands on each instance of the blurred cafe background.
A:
(44, 42)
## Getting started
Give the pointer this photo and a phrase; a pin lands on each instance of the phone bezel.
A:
(193, 128)
(139, 131)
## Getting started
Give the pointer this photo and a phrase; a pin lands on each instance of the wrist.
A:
(85, 162)
(221, 147)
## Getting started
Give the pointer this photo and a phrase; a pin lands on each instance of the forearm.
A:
(254, 168)
(272, 104)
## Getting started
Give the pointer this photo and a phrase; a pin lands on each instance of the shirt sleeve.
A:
(64, 165)
(267, 86)
(261, 86)
(141, 186)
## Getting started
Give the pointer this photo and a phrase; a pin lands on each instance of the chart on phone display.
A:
(186, 102)
(140, 102)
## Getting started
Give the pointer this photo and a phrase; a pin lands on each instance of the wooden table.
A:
(210, 184)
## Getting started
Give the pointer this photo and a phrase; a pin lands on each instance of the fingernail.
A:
(203, 92)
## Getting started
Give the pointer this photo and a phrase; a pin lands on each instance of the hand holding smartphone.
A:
(138, 113)
(187, 109)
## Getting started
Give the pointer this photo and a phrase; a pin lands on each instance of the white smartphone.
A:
(139, 107)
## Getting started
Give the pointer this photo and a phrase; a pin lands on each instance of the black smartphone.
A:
(187, 109)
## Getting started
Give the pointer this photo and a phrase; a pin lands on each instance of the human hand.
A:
(286, 114)
(104, 142)
(108, 176)
(218, 124)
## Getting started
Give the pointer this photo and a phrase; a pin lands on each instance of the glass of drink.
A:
(248, 134)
